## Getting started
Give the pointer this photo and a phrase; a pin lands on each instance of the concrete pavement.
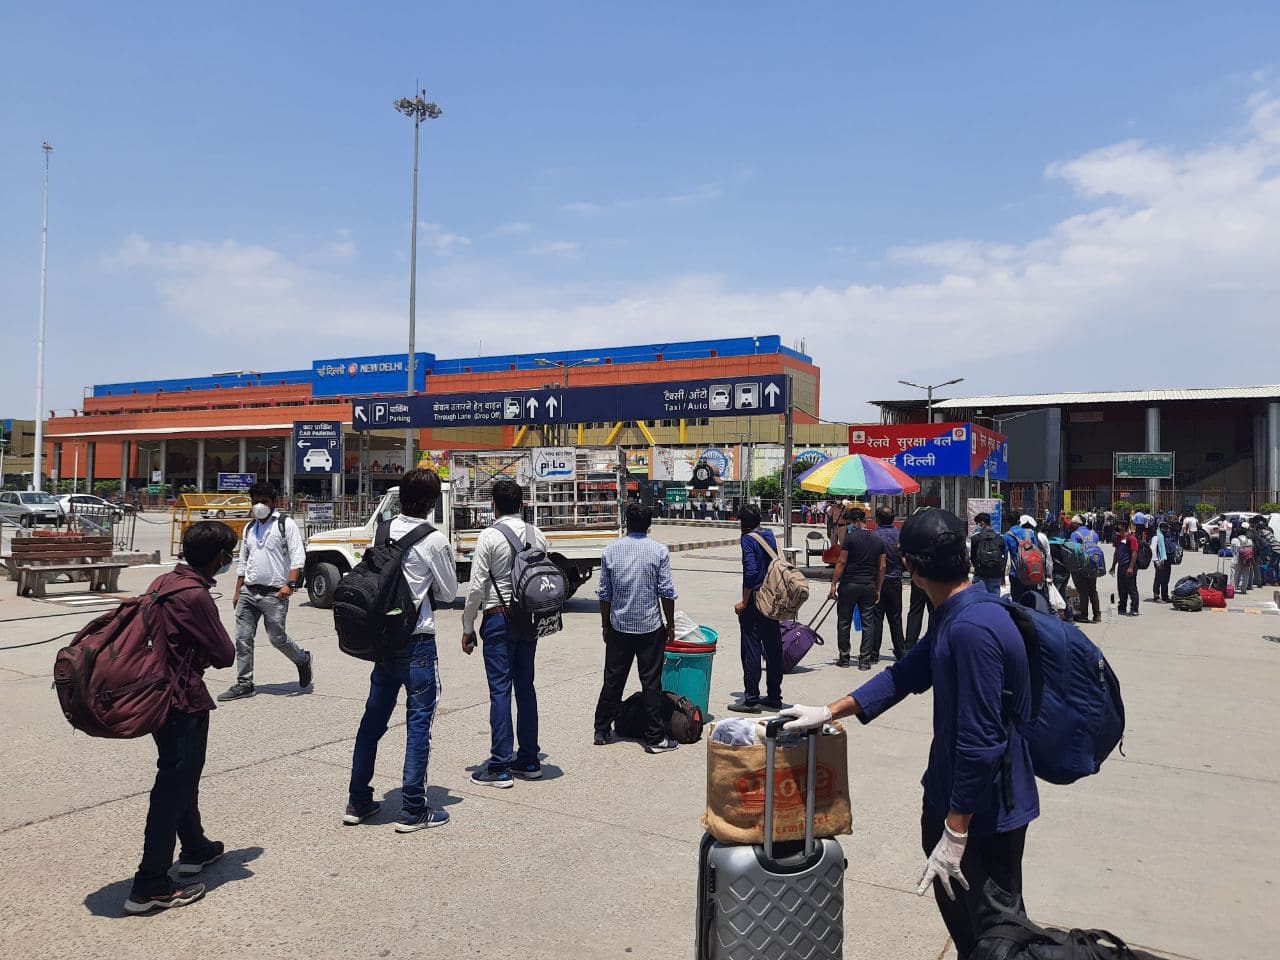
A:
(1170, 846)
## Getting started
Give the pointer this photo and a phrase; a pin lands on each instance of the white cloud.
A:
(568, 249)
(1170, 253)
(702, 193)
(516, 228)
(440, 241)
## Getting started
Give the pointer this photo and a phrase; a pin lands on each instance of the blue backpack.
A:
(1095, 562)
(1077, 714)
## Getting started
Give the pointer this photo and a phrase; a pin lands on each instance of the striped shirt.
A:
(635, 574)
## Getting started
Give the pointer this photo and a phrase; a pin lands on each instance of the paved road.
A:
(1172, 846)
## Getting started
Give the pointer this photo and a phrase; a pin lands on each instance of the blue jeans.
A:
(415, 670)
(992, 584)
(508, 664)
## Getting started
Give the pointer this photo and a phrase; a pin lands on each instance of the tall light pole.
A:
(564, 366)
(37, 465)
(419, 109)
(929, 391)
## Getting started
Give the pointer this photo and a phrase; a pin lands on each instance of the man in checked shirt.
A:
(636, 597)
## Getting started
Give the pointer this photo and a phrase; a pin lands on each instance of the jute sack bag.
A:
(735, 788)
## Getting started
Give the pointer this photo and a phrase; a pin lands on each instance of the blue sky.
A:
(919, 192)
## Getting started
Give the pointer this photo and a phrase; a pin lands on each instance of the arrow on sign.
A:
(532, 405)
(361, 415)
(303, 444)
(772, 391)
(551, 406)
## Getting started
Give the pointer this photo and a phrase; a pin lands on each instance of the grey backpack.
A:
(538, 589)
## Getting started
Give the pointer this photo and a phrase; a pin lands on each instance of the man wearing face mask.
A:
(272, 555)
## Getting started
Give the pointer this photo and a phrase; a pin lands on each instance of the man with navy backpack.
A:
(432, 577)
(1086, 580)
(979, 787)
(508, 653)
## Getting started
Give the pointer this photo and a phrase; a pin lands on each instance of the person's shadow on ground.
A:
(109, 900)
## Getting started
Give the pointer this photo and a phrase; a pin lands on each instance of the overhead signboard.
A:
(935, 449)
(236, 482)
(1143, 466)
(729, 397)
(317, 447)
(356, 376)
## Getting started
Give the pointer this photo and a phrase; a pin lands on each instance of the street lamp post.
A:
(268, 449)
(929, 391)
(418, 109)
(37, 465)
(564, 366)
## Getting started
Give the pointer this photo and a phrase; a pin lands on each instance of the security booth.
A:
(952, 462)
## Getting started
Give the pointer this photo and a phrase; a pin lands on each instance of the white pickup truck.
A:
(331, 555)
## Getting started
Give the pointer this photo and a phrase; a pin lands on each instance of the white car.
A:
(1236, 517)
(317, 458)
(78, 502)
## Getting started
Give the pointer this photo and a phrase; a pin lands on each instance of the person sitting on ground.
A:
(197, 641)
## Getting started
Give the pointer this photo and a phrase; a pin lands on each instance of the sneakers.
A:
(602, 737)
(179, 896)
(745, 706)
(238, 692)
(428, 818)
(359, 813)
(768, 704)
(304, 673)
(662, 746)
(528, 770)
(493, 778)
(189, 864)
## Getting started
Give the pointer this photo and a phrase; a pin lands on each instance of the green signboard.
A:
(1143, 466)
(677, 495)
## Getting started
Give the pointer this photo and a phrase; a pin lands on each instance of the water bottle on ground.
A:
(1113, 615)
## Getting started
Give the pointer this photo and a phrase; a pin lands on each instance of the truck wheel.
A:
(574, 576)
(321, 583)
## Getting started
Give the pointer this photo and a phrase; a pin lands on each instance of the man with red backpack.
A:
(1030, 563)
(197, 639)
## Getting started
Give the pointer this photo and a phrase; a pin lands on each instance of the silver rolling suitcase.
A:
(780, 901)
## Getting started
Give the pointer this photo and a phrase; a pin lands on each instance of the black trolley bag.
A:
(738, 885)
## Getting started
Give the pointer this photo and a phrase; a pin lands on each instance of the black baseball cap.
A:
(932, 532)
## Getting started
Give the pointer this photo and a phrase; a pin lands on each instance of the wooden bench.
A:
(35, 561)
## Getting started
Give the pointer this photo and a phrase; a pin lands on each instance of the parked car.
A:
(29, 507)
(236, 505)
(67, 502)
(1213, 526)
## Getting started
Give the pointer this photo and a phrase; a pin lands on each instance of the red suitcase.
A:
(1212, 598)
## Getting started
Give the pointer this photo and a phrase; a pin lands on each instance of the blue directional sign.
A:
(729, 397)
(236, 482)
(317, 447)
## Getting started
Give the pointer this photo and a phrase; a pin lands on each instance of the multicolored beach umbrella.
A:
(857, 475)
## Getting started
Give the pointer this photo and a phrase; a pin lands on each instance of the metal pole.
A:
(929, 411)
(787, 454)
(413, 287)
(75, 473)
(37, 464)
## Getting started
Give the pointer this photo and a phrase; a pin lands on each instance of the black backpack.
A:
(1017, 938)
(1144, 555)
(988, 555)
(373, 611)
(681, 718)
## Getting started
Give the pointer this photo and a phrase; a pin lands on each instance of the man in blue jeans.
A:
(508, 656)
(761, 636)
(430, 573)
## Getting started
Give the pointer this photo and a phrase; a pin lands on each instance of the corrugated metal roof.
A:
(1271, 392)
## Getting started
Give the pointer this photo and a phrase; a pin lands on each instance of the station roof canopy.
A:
(1270, 392)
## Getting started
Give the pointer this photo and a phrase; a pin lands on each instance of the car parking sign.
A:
(317, 448)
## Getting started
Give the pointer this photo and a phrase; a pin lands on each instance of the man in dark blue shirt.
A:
(761, 636)
(979, 786)
(889, 607)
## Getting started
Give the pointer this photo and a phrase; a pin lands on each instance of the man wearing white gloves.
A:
(979, 787)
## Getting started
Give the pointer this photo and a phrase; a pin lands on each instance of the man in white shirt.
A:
(1190, 532)
(508, 658)
(272, 555)
(431, 574)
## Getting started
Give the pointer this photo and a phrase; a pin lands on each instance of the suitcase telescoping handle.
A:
(821, 615)
(771, 731)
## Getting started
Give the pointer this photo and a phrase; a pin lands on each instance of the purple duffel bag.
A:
(799, 638)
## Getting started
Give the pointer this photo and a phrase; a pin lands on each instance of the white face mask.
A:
(261, 511)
